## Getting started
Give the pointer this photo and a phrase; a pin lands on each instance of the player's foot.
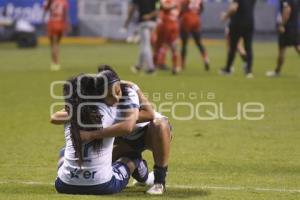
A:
(55, 67)
(150, 71)
(272, 74)
(156, 189)
(206, 66)
(163, 67)
(176, 70)
(136, 69)
(249, 76)
(225, 72)
(149, 181)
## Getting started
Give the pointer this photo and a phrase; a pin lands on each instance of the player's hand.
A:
(281, 29)
(147, 17)
(223, 17)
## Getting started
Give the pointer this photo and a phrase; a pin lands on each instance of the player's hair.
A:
(89, 114)
(112, 75)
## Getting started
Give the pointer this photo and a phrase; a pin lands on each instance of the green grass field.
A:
(216, 159)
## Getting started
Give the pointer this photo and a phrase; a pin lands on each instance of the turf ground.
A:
(216, 159)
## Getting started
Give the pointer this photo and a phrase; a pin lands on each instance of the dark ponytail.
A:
(70, 90)
(78, 90)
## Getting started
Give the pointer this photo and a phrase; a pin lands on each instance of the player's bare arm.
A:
(131, 10)
(119, 129)
(286, 14)
(233, 7)
(59, 117)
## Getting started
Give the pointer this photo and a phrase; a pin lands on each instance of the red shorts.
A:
(190, 22)
(167, 33)
(55, 29)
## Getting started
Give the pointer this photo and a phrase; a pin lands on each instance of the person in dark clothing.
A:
(147, 10)
(241, 14)
(288, 32)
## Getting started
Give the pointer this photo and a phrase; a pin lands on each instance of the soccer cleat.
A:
(176, 70)
(249, 76)
(225, 72)
(149, 181)
(163, 67)
(156, 189)
(272, 74)
(55, 67)
(150, 71)
(206, 66)
(135, 69)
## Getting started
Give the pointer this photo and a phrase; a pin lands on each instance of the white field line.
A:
(203, 187)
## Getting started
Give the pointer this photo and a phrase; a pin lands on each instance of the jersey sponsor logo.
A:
(86, 174)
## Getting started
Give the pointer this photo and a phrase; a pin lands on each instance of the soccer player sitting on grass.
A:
(151, 131)
(86, 166)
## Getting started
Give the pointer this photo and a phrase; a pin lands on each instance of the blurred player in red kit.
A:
(57, 24)
(168, 34)
(190, 23)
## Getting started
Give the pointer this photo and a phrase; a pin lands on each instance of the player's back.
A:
(191, 6)
(97, 162)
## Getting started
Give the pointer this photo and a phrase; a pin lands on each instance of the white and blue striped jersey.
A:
(132, 101)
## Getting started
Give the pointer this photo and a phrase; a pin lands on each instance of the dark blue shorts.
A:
(118, 182)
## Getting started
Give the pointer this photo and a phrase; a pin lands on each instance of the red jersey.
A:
(191, 6)
(170, 10)
(57, 10)
(190, 15)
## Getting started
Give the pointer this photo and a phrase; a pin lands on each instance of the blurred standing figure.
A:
(241, 14)
(240, 48)
(147, 23)
(288, 31)
(168, 34)
(57, 24)
(190, 23)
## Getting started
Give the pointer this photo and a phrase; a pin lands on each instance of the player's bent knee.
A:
(161, 127)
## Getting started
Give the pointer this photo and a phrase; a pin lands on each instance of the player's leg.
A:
(54, 45)
(158, 139)
(146, 56)
(241, 50)
(297, 48)
(198, 41)
(158, 45)
(172, 41)
(184, 35)
(280, 59)
(123, 148)
(234, 37)
(248, 39)
(176, 64)
(284, 40)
